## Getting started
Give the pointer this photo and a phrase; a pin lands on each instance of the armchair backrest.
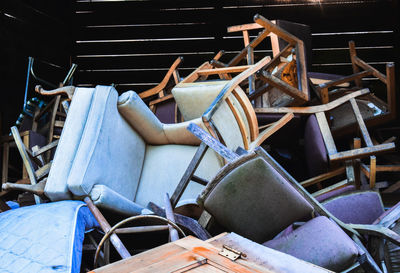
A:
(94, 137)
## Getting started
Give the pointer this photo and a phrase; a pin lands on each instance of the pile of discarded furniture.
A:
(256, 156)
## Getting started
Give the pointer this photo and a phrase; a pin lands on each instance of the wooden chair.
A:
(196, 97)
(295, 84)
(387, 110)
(322, 131)
(34, 164)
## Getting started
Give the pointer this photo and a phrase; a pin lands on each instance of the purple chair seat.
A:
(319, 241)
(356, 207)
(315, 151)
(165, 111)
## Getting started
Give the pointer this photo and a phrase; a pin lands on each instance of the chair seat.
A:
(44, 238)
(356, 207)
(168, 163)
(319, 241)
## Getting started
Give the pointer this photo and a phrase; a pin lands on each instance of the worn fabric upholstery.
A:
(56, 186)
(140, 117)
(255, 201)
(356, 207)
(194, 98)
(319, 241)
(110, 151)
(165, 111)
(44, 238)
(165, 165)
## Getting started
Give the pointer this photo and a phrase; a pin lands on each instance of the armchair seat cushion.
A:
(163, 168)
(319, 241)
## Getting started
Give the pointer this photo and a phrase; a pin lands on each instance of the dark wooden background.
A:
(132, 43)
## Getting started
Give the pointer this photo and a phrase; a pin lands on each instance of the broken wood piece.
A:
(37, 189)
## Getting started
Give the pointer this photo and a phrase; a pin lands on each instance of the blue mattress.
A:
(44, 238)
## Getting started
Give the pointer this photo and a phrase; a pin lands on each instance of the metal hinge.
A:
(230, 253)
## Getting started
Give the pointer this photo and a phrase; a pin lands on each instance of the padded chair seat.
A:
(45, 237)
(163, 168)
(356, 207)
(319, 241)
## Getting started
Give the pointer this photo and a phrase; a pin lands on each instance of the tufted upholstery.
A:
(45, 237)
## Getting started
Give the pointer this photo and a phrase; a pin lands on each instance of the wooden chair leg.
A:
(372, 170)
(105, 226)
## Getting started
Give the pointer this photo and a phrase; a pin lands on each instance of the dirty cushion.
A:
(44, 238)
(356, 207)
(319, 241)
(256, 202)
(164, 167)
(56, 186)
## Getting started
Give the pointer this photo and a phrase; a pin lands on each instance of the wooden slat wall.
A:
(38, 28)
(132, 43)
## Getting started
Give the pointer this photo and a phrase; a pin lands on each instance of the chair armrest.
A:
(160, 87)
(390, 216)
(212, 142)
(271, 130)
(67, 90)
(377, 230)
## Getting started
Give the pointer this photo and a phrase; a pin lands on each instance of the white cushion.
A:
(56, 186)
(110, 152)
(163, 168)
